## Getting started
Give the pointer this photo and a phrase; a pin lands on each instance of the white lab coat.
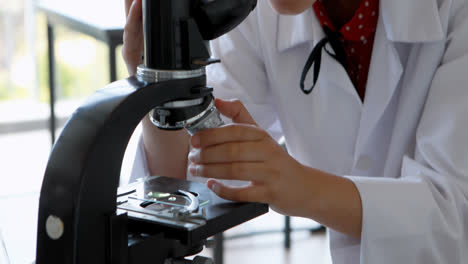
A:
(405, 148)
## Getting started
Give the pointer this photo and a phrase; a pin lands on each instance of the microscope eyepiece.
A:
(176, 32)
(217, 17)
(176, 35)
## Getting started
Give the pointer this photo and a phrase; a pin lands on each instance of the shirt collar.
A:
(404, 21)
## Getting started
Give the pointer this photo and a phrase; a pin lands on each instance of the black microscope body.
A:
(84, 218)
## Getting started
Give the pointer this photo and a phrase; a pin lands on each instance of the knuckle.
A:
(127, 28)
(125, 51)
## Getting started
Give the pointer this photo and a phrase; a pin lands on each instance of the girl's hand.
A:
(244, 151)
(132, 49)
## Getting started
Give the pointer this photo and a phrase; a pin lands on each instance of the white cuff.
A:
(403, 223)
(140, 163)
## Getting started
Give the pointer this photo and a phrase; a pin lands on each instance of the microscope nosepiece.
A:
(194, 115)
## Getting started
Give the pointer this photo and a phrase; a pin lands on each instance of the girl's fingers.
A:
(235, 110)
(128, 3)
(243, 171)
(134, 19)
(247, 151)
(133, 36)
(229, 133)
(251, 193)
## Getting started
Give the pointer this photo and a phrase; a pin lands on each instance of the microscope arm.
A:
(78, 218)
(82, 176)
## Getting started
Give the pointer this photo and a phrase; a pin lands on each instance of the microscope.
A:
(84, 217)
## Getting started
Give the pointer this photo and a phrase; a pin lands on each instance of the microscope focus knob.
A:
(54, 227)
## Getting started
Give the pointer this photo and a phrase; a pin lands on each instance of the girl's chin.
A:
(291, 7)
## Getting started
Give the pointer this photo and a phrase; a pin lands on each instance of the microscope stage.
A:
(161, 204)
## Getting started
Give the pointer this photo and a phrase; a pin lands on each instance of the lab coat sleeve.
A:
(140, 164)
(422, 217)
(242, 74)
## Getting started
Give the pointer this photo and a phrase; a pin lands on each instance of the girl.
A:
(372, 98)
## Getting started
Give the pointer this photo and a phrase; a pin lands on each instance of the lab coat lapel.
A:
(395, 25)
(333, 73)
(384, 75)
(411, 20)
